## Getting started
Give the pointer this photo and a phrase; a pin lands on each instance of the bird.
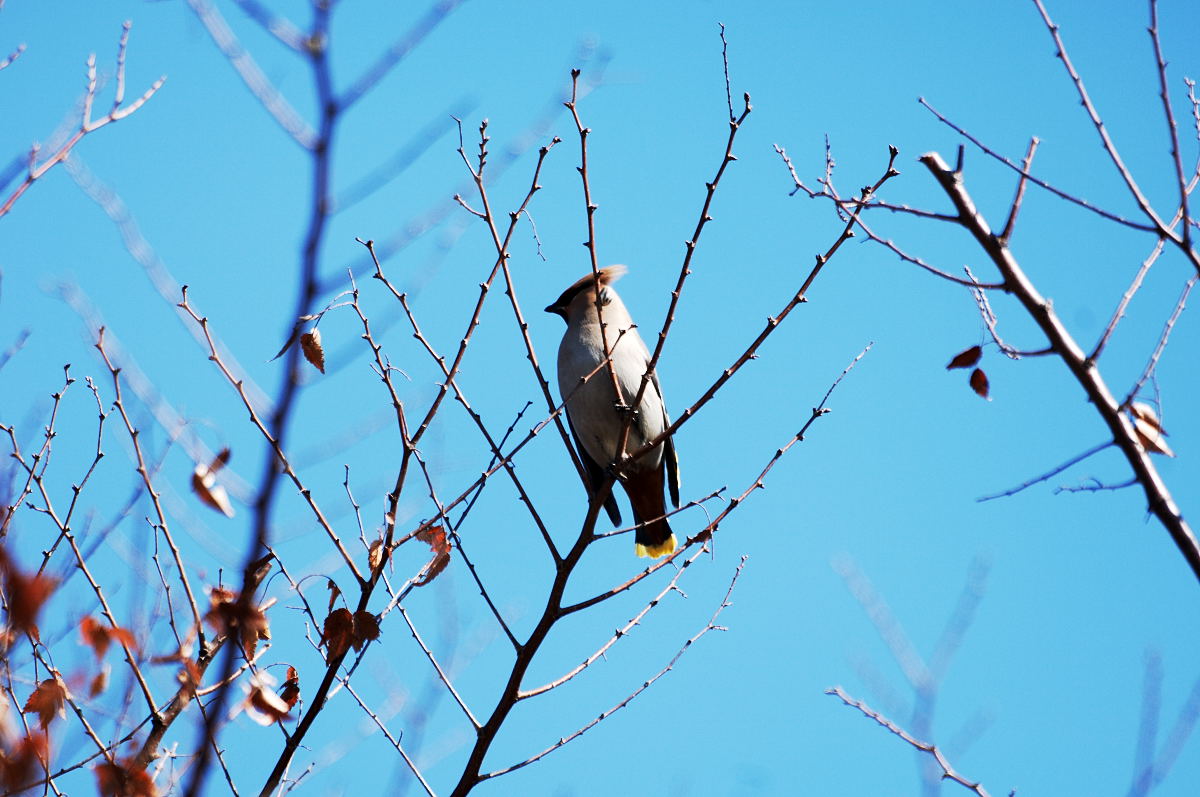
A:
(595, 416)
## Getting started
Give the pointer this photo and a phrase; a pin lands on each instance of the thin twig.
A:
(948, 771)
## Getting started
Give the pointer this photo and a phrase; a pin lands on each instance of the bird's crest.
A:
(606, 276)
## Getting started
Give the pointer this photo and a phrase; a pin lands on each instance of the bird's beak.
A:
(556, 309)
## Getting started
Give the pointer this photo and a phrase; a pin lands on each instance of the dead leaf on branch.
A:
(375, 556)
(334, 592)
(965, 358)
(435, 537)
(310, 344)
(204, 484)
(338, 633)
(290, 693)
(123, 779)
(1149, 429)
(344, 630)
(979, 383)
(98, 636)
(366, 628)
(262, 704)
(99, 681)
(25, 595)
(48, 700)
(227, 616)
(19, 762)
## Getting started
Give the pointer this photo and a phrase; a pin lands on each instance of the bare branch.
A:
(948, 771)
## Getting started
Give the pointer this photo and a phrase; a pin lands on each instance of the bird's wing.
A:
(669, 456)
(595, 475)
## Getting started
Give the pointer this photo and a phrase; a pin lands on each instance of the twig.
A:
(711, 626)
(1050, 474)
(1152, 363)
(87, 124)
(1159, 498)
(948, 771)
(1058, 192)
(1021, 183)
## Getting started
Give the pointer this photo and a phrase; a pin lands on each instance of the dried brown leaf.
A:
(310, 344)
(435, 537)
(98, 636)
(227, 617)
(290, 693)
(262, 704)
(26, 594)
(204, 485)
(338, 633)
(124, 779)
(1149, 429)
(291, 339)
(47, 701)
(366, 628)
(979, 383)
(19, 762)
(965, 358)
(334, 593)
(375, 556)
(99, 682)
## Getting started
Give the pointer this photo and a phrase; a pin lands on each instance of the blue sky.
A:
(1044, 694)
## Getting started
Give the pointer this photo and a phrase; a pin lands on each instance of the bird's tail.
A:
(645, 489)
(654, 539)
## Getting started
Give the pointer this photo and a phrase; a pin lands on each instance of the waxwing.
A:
(592, 410)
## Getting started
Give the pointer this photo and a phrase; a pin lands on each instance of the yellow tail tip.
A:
(665, 547)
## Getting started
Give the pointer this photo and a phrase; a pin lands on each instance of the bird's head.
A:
(583, 291)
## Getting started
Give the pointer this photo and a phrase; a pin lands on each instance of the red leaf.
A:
(228, 616)
(290, 693)
(366, 628)
(338, 633)
(47, 701)
(26, 594)
(310, 344)
(264, 706)
(122, 779)
(98, 636)
(435, 536)
(334, 593)
(99, 682)
(19, 762)
(966, 358)
(979, 382)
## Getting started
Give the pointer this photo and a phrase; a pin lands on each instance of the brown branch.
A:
(711, 626)
(271, 439)
(1058, 192)
(1159, 498)
(1172, 127)
(774, 321)
(1134, 286)
(1021, 184)
(87, 124)
(684, 270)
(1106, 141)
(948, 771)
(1152, 363)
(847, 205)
(706, 533)
(144, 473)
